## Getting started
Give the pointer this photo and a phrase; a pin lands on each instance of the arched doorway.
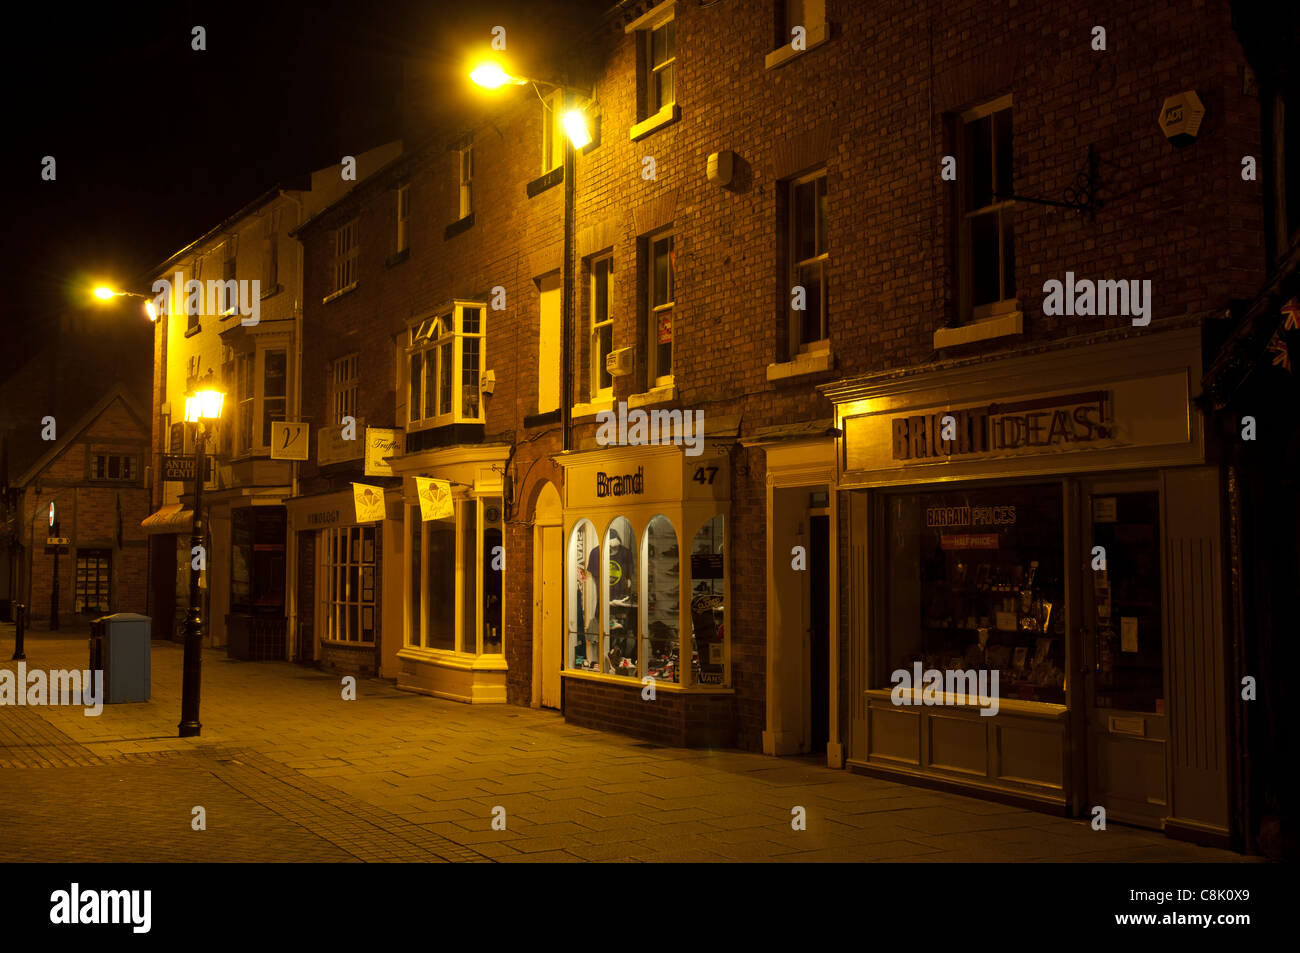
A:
(548, 595)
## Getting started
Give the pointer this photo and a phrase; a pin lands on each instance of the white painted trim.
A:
(653, 17)
(806, 362)
(665, 116)
(660, 394)
(815, 35)
(1002, 326)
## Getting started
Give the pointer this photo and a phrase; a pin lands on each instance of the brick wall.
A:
(671, 719)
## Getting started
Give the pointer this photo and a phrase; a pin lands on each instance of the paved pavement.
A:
(286, 770)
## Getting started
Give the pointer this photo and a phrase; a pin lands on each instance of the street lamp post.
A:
(204, 405)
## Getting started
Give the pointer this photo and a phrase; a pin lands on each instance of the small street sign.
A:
(56, 541)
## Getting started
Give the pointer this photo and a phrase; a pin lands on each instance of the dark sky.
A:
(155, 142)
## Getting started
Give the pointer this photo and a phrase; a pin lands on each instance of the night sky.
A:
(155, 143)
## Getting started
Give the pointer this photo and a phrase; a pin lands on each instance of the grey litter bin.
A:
(119, 644)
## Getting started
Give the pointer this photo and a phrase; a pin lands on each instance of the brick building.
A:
(941, 286)
(93, 475)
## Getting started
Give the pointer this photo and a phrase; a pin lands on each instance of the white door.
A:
(551, 541)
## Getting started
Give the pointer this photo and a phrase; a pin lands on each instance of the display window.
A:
(661, 583)
(975, 580)
(708, 631)
(349, 566)
(621, 598)
(584, 598)
(455, 581)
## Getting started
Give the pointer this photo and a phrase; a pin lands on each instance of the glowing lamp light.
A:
(575, 125)
(103, 293)
(492, 76)
(204, 405)
(151, 309)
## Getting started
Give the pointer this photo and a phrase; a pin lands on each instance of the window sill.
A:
(456, 227)
(545, 181)
(190, 332)
(447, 658)
(1001, 326)
(816, 35)
(335, 295)
(664, 117)
(591, 409)
(809, 362)
(655, 395)
(398, 258)
(634, 681)
(348, 643)
(271, 292)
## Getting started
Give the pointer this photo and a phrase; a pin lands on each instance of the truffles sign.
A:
(1044, 423)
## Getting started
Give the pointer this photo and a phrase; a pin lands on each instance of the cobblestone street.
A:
(286, 770)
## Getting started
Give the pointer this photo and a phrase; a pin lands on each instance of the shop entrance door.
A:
(551, 540)
(819, 668)
(1124, 652)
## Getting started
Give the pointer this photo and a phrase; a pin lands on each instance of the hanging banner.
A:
(369, 502)
(435, 498)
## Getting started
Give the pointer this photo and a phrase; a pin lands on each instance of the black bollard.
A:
(20, 624)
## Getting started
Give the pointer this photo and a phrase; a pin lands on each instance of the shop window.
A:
(462, 555)
(975, 581)
(349, 568)
(257, 560)
(708, 627)
(988, 263)
(661, 583)
(583, 560)
(445, 357)
(92, 584)
(620, 584)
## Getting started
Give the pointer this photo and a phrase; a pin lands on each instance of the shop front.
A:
(1035, 582)
(646, 590)
(341, 595)
(453, 643)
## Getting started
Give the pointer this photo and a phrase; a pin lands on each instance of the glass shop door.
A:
(1124, 652)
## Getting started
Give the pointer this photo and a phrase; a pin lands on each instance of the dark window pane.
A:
(114, 467)
(444, 379)
(979, 163)
(416, 525)
(469, 591)
(1008, 256)
(984, 259)
(441, 574)
(821, 215)
(417, 368)
(430, 382)
(1002, 122)
(811, 318)
(605, 343)
(662, 267)
(803, 203)
(470, 320)
(664, 359)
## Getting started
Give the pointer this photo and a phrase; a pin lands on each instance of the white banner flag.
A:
(435, 498)
(369, 501)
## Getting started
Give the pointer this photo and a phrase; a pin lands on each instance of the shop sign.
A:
(382, 442)
(1043, 423)
(369, 502)
(323, 518)
(627, 484)
(179, 466)
(435, 498)
(332, 448)
(289, 440)
(970, 515)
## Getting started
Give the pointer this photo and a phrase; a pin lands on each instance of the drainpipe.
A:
(567, 304)
(291, 550)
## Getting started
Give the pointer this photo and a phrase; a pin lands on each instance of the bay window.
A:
(261, 380)
(444, 368)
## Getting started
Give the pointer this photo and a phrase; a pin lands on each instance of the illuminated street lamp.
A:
(200, 406)
(492, 75)
(105, 293)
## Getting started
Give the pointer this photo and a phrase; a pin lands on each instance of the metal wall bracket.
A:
(1079, 197)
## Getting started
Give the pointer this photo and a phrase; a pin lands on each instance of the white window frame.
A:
(654, 309)
(465, 164)
(347, 248)
(653, 71)
(255, 402)
(427, 338)
(553, 135)
(403, 218)
(418, 635)
(345, 382)
(229, 303)
(972, 313)
(819, 261)
(334, 585)
(599, 322)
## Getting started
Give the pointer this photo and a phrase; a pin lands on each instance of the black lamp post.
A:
(204, 405)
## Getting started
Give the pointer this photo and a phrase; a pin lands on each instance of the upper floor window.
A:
(403, 217)
(661, 65)
(113, 466)
(806, 15)
(271, 251)
(552, 131)
(261, 396)
(602, 326)
(445, 366)
(466, 181)
(987, 261)
(229, 303)
(344, 381)
(659, 331)
(346, 250)
(807, 260)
